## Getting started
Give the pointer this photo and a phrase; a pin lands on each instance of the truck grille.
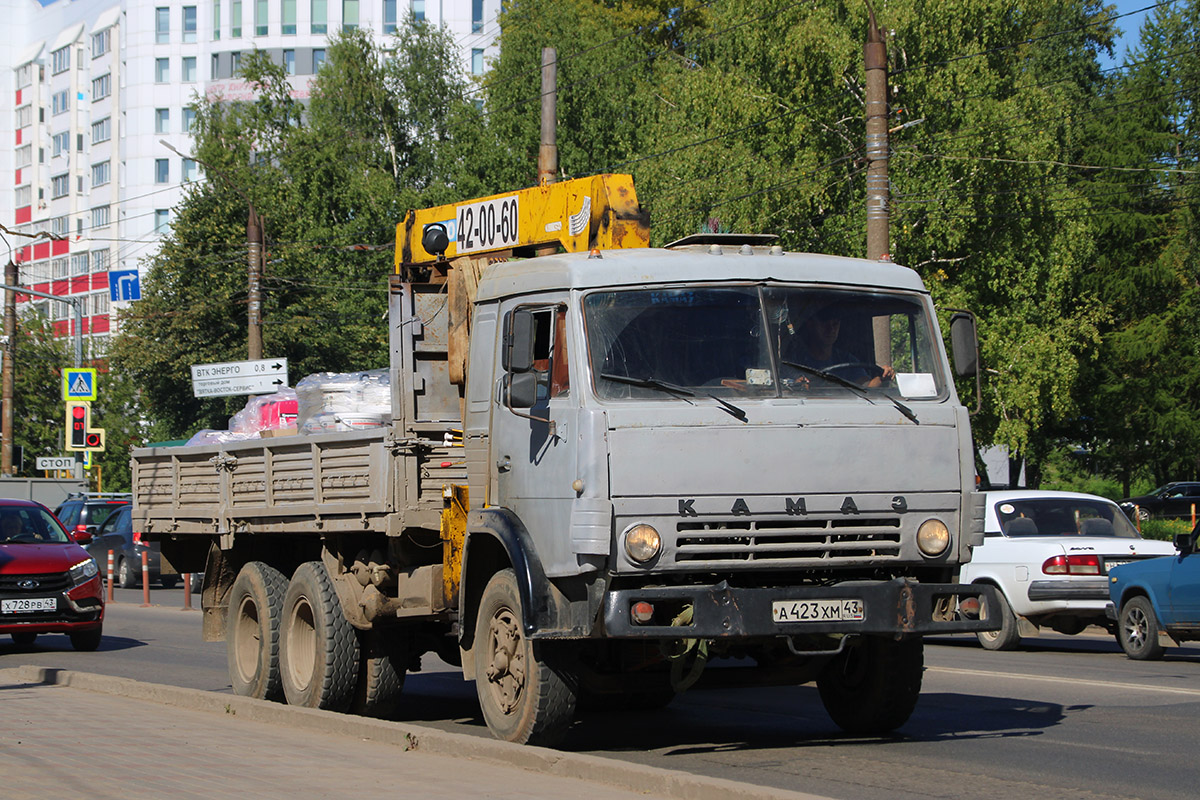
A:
(816, 541)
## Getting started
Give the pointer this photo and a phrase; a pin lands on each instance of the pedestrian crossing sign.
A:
(79, 384)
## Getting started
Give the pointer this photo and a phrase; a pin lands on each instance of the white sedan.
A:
(1049, 553)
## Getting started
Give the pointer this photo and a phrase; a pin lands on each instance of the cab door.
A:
(535, 436)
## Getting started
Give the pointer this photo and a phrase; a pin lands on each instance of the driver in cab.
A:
(11, 529)
(819, 350)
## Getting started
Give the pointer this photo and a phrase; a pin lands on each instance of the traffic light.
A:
(80, 433)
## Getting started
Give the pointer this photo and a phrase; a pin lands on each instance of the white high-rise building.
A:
(97, 85)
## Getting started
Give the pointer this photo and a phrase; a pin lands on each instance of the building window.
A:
(101, 173)
(260, 18)
(476, 16)
(24, 76)
(24, 156)
(289, 62)
(99, 217)
(102, 87)
(189, 169)
(101, 42)
(418, 10)
(162, 218)
(24, 197)
(162, 70)
(289, 17)
(60, 227)
(99, 303)
(389, 16)
(318, 60)
(60, 60)
(62, 143)
(61, 102)
(235, 18)
(215, 69)
(79, 261)
(189, 119)
(189, 23)
(60, 267)
(319, 17)
(79, 220)
(162, 25)
(24, 116)
(216, 28)
(99, 260)
(162, 170)
(349, 15)
(162, 120)
(476, 61)
(101, 130)
(235, 62)
(189, 69)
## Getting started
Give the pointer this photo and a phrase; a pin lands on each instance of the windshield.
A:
(1063, 516)
(30, 524)
(760, 341)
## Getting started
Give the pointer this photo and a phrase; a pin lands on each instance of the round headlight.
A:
(933, 537)
(642, 543)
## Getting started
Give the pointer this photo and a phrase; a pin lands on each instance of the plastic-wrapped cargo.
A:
(210, 436)
(267, 412)
(343, 401)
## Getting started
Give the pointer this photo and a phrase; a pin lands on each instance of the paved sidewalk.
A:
(71, 734)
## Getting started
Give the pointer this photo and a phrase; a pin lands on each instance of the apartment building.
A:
(96, 86)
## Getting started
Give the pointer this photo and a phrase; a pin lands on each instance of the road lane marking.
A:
(1074, 681)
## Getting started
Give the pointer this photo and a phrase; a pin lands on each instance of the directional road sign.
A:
(79, 384)
(124, 284)
(239, 377)
(55, 462)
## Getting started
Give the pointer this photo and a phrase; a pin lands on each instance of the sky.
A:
(1129, 26)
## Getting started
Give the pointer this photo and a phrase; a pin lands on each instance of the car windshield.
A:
(760, 341)
(30, 525)
(1063, 516)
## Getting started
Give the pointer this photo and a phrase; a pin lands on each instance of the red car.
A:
(48, 583)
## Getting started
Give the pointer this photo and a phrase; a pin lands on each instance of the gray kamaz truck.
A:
(611, 474)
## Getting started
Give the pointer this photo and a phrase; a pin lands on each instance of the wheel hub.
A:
(506, 661)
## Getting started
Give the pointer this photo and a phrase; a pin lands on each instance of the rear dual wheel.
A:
(319, 651)
(252, 631)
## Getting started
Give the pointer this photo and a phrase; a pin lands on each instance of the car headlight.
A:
(642, 543)
(84, 571)
(933, 537)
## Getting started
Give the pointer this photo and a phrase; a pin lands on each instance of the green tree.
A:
(38, 407)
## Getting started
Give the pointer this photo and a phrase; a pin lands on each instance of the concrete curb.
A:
(595, 769)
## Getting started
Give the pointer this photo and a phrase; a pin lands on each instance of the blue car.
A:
(1157, 596)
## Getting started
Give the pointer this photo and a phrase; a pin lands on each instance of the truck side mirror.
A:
(964, 343)
(518, 342)
(522, 389)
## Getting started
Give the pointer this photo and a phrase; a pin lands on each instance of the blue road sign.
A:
(79, 384)
(124, 285)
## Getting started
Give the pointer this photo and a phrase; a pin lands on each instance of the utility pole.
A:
(548, 151)
(254, 283)
(10, 351)
(875, 96)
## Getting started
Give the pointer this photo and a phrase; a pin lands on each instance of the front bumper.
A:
(894, 608)
(78, 609)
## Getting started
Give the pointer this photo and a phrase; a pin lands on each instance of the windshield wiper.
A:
(852, 386)
(678, 391)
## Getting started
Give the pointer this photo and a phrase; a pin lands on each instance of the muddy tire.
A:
(87, 641)
(377, 692)
(318, 654)
(871, 687)
(1009, 636)
(252, 631)
(525, 694)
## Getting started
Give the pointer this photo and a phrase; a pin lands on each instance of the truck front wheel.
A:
(318, 651)
(524, 696)
(871, 687)
(252, 632)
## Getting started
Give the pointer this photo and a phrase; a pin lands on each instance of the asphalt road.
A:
(1066, 717)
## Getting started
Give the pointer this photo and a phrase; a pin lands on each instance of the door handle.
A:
(504, 464)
